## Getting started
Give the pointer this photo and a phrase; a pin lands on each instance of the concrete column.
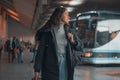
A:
(3, 23)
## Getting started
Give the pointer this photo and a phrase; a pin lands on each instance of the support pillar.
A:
(3, 23)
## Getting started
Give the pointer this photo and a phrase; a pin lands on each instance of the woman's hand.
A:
(36, 76)
(70, 37)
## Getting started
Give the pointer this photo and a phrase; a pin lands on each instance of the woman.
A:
(54, 59)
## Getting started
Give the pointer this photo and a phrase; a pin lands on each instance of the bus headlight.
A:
(88, 54)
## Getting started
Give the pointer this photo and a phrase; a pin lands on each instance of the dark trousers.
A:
(10, 55)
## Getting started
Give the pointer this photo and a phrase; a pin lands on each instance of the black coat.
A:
(46, 60)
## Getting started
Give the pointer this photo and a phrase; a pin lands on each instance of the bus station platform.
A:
(24, 71)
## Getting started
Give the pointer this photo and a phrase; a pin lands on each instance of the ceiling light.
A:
(76, 2)
(14, 17)
(12, 12)
(63, 2)
(72, 2)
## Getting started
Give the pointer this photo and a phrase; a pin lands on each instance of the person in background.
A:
(28, 44)
(0, 48)
(54, 59)
(22, 47)
(35, 46)
(16, 49)
(34, 52)
(9, 49)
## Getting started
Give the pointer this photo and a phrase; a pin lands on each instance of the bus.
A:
(100, 34)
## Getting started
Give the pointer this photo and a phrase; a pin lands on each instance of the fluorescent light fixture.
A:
(14, 17)
(72, 2)
(63, 2)
(76, 2)
(12, 12)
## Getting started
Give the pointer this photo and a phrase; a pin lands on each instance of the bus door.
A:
(86, 32)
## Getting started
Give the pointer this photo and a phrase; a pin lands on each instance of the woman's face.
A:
(65, 17)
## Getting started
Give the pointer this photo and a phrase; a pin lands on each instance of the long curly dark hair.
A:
(55, 17)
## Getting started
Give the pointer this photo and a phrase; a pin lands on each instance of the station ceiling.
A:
(24, 10)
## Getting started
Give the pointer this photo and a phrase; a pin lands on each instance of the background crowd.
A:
(16, 48)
